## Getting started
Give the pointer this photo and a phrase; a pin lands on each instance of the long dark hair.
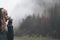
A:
(1, 15)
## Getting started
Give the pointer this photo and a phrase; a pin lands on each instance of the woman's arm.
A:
(10, 30)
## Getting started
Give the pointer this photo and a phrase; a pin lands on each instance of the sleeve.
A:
(10, 34)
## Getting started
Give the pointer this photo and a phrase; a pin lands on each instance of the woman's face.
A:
(5, 15)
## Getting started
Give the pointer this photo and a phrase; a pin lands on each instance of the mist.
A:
(30, 7)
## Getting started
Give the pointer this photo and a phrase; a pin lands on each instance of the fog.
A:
(28, 7)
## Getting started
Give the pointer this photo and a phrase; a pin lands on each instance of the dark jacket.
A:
(10, 33)
(7, 35)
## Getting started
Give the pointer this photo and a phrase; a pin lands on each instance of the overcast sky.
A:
(8, 4)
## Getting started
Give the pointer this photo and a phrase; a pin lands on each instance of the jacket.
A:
(7, 35)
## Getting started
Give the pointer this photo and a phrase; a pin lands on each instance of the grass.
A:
(31, 38)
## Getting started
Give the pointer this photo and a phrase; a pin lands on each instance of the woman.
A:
(5, 35)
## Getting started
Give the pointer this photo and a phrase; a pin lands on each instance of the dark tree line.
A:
(45, 26)
(35, 26)
(55, 20)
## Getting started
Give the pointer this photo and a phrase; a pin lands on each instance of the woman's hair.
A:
(3, 20)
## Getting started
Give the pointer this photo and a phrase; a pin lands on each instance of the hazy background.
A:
(19, 9)
(34, 19)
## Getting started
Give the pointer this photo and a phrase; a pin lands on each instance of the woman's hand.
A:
(10, 21)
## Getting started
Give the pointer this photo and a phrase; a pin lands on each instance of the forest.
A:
(42, 26)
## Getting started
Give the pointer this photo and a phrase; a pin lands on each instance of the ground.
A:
(32, 38)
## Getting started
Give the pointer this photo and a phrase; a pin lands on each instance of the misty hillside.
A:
(41, 18)
(29, 7)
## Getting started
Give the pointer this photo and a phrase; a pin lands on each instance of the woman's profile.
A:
(5, 35)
